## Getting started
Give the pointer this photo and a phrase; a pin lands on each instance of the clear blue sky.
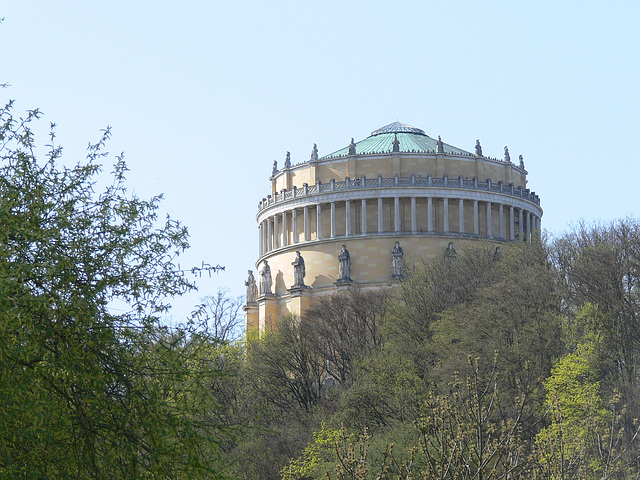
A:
(204, 95)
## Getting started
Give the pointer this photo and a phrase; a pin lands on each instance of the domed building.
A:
(355, 216)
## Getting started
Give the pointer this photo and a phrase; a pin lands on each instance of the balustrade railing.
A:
(428, 181)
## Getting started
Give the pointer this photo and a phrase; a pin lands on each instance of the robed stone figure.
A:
(450, 255)
(344, 267)
(252, 288)
(298, 271)
(265, 279)
(397, 262)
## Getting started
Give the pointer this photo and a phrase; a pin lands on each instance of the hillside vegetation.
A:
(518, 365)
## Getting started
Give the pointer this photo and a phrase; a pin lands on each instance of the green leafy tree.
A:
(600, 265)
(91, 388)
(586, 436)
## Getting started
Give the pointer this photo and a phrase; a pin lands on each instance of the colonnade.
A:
(414, 215)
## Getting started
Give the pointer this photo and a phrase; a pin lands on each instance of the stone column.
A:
(260, 251)
(529, 226)
(413, 215)
(430, 214)
(476, 223)
(512, 224)
(380, 217)
(461, 215)
(265, 247)
(446, 215)
(305, 211)
(333, 219)
(319, 220)
(347, 216)
(364, 213)
(276, 232)
(269, 237)
(396, 214)
(489, 221)
(521, 226)
(501, 220)
(285, 230)
(294, 225)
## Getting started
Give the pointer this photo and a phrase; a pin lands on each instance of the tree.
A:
(221, 316)
(347, 329)
(585, 438)
(91, 391)
(284, 367)
(600, 265)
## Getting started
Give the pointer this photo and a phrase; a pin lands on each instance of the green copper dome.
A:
(411, 140)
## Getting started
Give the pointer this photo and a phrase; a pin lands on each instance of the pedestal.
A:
(267, 312)
(251, 319)
(300, 299)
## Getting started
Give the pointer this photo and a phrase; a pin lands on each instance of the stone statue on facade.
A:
(299, 271)
(352, 147)
(478, 148)
(287, 161)
(265, 279)
(314, 153)
(397, 262)
(344, 267)
(252, 288)
(274, 172)
(507, 157)
(396, 144)
(497, 254)
(521, 162)
(450, 255)
(440, 145)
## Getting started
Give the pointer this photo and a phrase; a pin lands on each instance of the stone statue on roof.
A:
(314, 153)
(287, 161)
(521, 162)
(299, 271)
(397, 262)
(507, 157)
(440, 145)
(396, 144)
(275, 169)
(478, 148)
(352, 147)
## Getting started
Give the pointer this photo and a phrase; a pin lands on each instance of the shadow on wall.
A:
(322, 281)
(281, 288)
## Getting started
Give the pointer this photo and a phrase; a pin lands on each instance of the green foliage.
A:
(317, 457)
(578, 417)
(91, 389)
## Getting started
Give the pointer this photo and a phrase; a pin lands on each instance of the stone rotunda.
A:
(355, 216)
